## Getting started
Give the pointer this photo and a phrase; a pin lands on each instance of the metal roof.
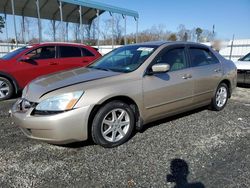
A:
(49, 9)
(104, 7)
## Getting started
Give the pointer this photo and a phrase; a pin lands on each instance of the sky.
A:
(229, 16)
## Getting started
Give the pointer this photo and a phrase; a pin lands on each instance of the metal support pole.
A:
(125, 29)
(23, 31)
(39, 20)
(54, 30)
(6, 30)
(14, 20)
(67, 31)
(112, 29)
(61, 22)
(98, 28)
(231, 50)
(136, 36)
(81, 27)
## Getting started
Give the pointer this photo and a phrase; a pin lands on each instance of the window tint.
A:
(14, 53)
(124, 59)
(46, 52)
(246, 58)
(86, 52)
(200, 57)
(175, 58)
(69, 51)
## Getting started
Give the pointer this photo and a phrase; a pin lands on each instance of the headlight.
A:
(60, 102)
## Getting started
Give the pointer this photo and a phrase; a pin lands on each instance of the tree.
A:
(198, 32)
(29, 28)
(117, 32)
(185, 37)
(172, 37)
(76, 32)
(207, 36)
(2, 23)
(183, 34)
(53, 29)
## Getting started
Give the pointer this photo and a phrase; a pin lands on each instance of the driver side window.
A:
(46, 52)
(175, 58)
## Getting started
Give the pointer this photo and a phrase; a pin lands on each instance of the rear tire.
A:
(113, 124)
(6, 89)
(220, 98)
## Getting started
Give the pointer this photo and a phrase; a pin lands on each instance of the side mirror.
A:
(160, 68)
(25, 58)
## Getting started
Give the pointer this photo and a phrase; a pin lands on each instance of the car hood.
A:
(243, 65)
(45, 84)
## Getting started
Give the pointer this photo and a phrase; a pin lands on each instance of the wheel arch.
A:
(229, 85)
(12, 80)
(121, 98)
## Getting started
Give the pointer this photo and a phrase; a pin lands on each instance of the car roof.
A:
(57, 43)
(160, 43)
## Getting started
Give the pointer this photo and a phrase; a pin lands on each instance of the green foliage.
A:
(198, 32)
(2, 22)
(172, 37)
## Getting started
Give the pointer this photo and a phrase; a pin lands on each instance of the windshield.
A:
(246, 58)
(12, 54)
(124, 59)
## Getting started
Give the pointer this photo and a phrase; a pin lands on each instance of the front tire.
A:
(6, 89)
(113, 124)
(220, 98)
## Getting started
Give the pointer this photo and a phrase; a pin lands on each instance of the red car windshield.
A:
(14, 53)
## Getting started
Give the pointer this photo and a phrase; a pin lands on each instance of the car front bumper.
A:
(243, 76)
(62, 128)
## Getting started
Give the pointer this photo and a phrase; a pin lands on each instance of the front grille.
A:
(24, 105)
(239, 71)
(243, 71)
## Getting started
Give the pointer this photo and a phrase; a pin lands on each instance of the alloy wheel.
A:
(115, 125)
(221, 96)
(4, 89)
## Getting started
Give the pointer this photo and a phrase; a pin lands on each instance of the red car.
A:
(22, 65)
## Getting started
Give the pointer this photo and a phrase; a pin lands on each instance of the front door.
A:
(38, 62)
(169, 92)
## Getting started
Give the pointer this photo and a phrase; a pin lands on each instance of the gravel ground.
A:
(213, 146)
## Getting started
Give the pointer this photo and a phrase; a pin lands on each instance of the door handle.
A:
(187, 76)
(53, 63)
(85, 61)
(217, 70)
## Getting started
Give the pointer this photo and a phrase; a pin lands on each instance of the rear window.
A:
(70, 51)
(86, 52)
(201, 57)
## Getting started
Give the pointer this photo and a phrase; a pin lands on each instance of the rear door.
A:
(171, 91)
(72, 57)
(207, 73)
(87, 56)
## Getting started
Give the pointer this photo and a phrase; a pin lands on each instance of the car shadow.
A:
(179, 171)
(171, 118)
(76, 145)
(90, 142)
